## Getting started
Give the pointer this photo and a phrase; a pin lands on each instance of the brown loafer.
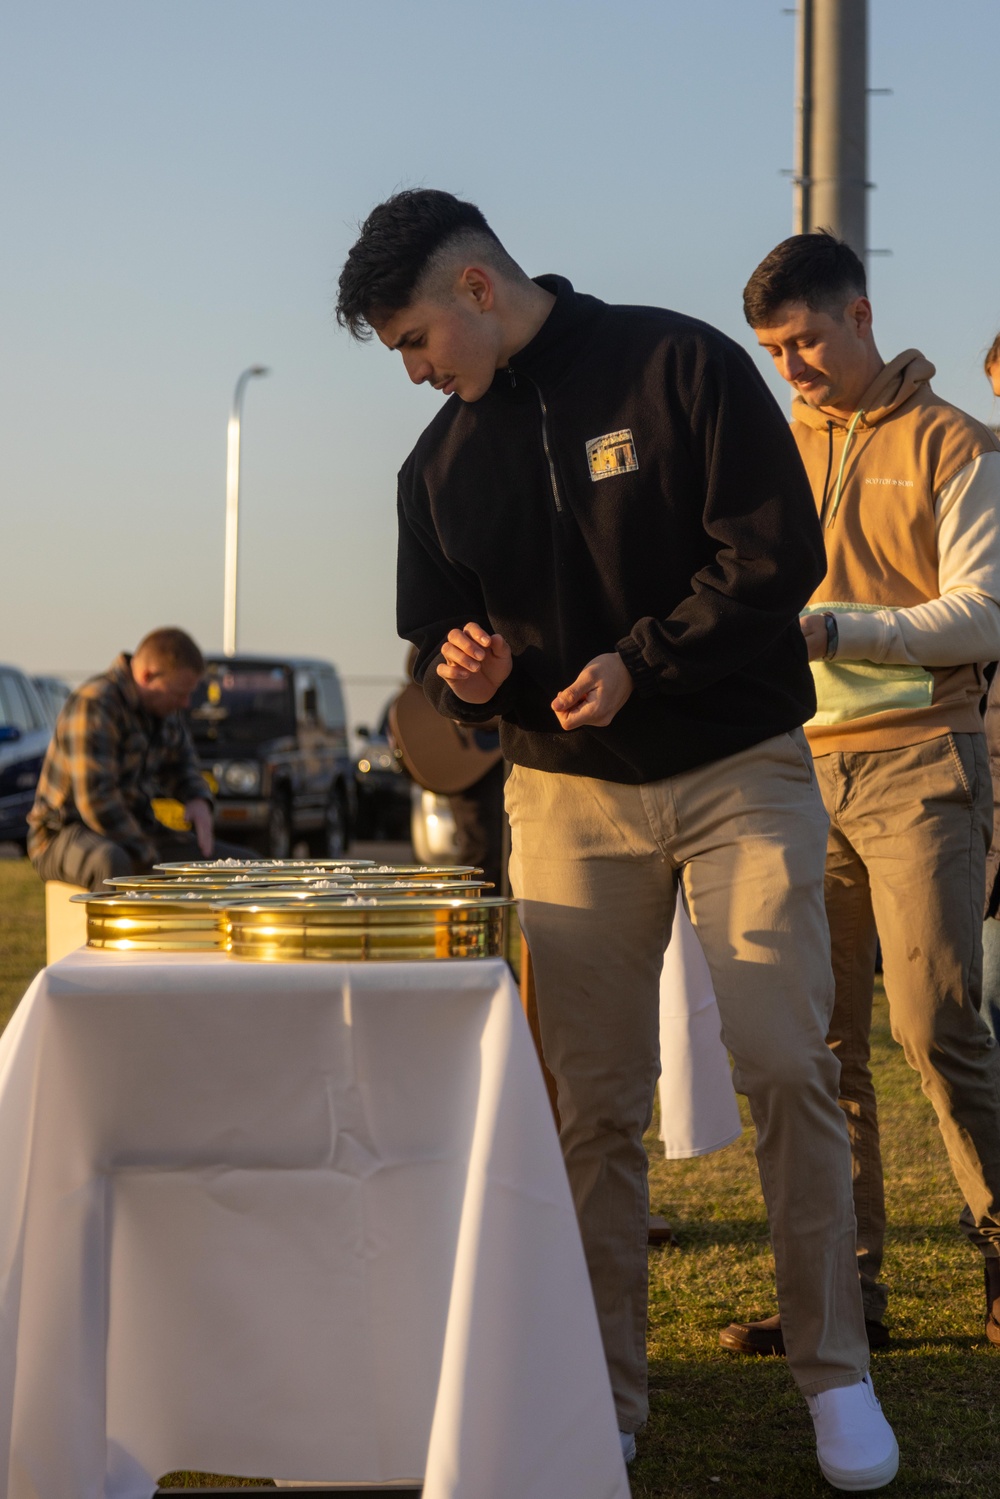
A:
(765, 1337)
(992, 1268)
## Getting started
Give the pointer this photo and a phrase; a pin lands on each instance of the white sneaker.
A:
(627, 1439)
(854, 1442)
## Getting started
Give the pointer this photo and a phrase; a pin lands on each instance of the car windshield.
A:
(242, 704)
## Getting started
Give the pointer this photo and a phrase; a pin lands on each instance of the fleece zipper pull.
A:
(838, 492)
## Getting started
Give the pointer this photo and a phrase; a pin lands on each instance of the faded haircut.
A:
(408, 246)
(817, 269)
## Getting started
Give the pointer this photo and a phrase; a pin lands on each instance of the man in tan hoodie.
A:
(899, 634)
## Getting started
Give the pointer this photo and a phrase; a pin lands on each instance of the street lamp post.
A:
(233, 508)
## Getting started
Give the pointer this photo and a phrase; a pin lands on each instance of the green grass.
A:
(719, 1423)
(722, 1423)
(22, 931)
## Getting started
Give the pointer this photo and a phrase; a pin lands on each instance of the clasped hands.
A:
(476, 664)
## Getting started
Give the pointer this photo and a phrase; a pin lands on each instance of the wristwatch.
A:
(832, 635)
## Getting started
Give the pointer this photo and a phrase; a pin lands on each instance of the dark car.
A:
(271, 735)
(25, 731)
(383, 785)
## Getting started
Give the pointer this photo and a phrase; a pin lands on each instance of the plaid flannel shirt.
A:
(107, 759)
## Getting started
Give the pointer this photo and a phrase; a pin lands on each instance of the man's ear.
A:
(476, 285)
(859, 315)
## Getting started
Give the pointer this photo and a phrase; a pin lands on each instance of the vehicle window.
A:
(243, 704)
(38, 714)
(331, 701)
(8, 712)
(53, 694)
(19, 710)
(305, 693)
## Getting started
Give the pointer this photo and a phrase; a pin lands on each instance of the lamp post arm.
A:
(233, 509)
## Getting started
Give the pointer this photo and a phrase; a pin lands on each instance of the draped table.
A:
(307, 1220)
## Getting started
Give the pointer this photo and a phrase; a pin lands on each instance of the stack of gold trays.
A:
(367, 927)
(275, 910)
(157, 920)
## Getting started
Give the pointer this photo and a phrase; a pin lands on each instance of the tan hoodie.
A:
(908, 492)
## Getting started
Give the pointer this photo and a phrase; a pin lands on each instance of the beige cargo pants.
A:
(909, 832)
(595, 866)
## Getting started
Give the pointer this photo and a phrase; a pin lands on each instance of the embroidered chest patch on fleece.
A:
(612, 454)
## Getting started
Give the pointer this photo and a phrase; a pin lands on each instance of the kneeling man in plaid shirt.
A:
(119, 741)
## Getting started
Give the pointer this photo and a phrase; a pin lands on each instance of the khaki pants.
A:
(909, 832)
(596, 867)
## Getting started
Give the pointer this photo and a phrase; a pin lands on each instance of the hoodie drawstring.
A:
(829, 465)
(843, 461)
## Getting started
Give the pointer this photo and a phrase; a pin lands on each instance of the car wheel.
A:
(330, 841)
(279, 830)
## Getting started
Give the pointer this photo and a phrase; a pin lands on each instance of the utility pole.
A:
(831, 167)
(233, 510)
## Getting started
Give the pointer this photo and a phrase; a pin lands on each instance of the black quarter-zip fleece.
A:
(693, 564)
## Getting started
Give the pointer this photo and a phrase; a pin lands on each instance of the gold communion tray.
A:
(320, 890)
(235, 868)
(144, 921)
(367, 927)
(420, 872)
(158, 884)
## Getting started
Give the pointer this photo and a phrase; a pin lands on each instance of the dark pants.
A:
(80, 856)
(479, 822)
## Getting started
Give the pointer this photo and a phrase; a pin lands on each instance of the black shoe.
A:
(766, 1337)
(659, 1232)
(992, 1268)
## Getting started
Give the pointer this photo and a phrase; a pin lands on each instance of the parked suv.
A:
(382, 784)
(24, 737)
(271, 735)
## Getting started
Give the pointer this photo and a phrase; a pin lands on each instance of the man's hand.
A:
(475, 663)
(602, 688)
(199, 815)
(813, 627)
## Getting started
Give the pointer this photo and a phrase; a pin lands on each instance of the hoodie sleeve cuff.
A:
(644, 677)
(454, 707)
(861, 635)
(438, 692)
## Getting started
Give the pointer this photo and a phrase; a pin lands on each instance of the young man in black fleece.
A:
(606, 539)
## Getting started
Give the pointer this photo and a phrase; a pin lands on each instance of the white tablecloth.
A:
(303, 1219)
(698, 1109)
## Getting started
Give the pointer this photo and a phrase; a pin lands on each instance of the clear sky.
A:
(181, 180)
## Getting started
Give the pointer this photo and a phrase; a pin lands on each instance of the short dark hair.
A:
(817, 269)
(992, 355)
(171, 649)
(392, 252)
